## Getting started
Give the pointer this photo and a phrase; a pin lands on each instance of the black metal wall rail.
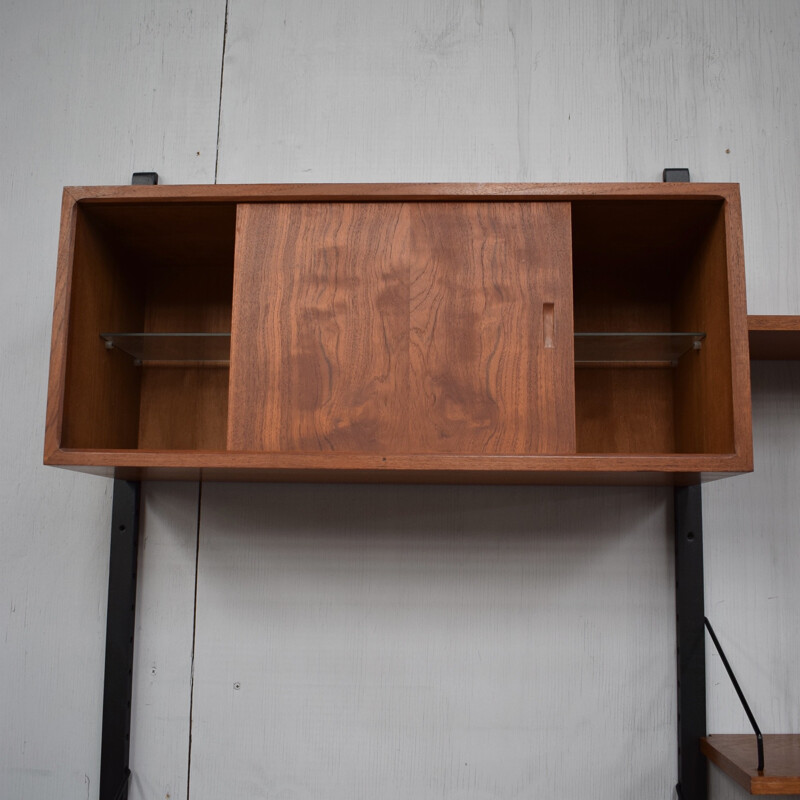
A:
(689, 603)
(120, 624)
(123, 556)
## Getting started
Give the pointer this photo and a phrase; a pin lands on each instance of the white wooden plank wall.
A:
(380, 90)
(377, 634)
(429, 642)
(164, 641)
(752, 556)
(90, 92)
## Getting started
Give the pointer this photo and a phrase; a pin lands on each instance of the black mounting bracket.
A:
(740, 694)
(144, 179)
(675, 175)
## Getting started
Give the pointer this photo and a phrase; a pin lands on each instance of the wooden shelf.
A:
(774, 337)
(735, 754)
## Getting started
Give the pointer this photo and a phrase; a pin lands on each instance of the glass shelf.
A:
(634, 349)
(211, 349)
(642, 349)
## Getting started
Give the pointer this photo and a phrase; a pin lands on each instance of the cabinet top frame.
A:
(357, 192)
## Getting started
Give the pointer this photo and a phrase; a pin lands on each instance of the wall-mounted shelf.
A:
(774, 337)
(420, 333)
(735, 754)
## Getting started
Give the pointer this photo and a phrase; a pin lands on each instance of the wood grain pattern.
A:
(183, 407)
(323, 474)
(625, 410)
(319, 345)
(737, 320)
(401, 328)
(619, 469)
(773, 322)
(483, 377)
(774, 337)
(394, 192)
(705, 405)
(735, 754)
(56, 385)
(189, 288)
(101, 387)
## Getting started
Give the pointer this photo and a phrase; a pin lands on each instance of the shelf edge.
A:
(774, 337)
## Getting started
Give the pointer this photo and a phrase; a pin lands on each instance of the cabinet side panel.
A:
(491, 328)
(703, 385)
(319, 350)
(101, 398)
(60, 332)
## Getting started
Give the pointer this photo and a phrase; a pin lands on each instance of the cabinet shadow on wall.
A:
(389, 634)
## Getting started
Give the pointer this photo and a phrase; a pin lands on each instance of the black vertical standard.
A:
(690, 620)
(120, 621)
(114, 770)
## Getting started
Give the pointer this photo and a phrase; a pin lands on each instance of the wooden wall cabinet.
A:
(504, 333)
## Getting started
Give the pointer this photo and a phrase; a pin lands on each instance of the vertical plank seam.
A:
(200, 483)
(221, 77)
(194, 638)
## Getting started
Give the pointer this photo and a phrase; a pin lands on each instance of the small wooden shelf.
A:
(774, 337)
(735, 754)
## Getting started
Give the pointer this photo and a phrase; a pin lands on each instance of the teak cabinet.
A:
(502, 333)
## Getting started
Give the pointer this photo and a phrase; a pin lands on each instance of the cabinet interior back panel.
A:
(402, 328)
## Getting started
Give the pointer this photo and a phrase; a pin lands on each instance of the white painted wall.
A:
(393, 642)
(90, 92)
(752, 555)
